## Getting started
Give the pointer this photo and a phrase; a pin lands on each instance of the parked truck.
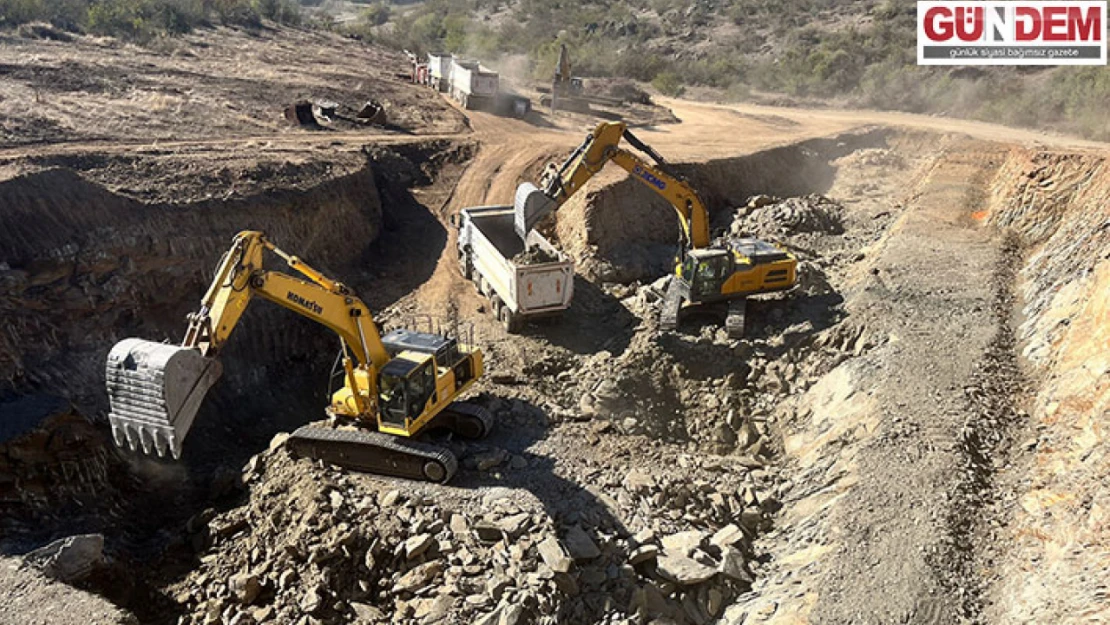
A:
(473, 86)
(523, 279)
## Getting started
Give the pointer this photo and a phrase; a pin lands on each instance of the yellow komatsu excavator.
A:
(396, 386)
(705, 270)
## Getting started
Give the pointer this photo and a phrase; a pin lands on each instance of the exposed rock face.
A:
(83, 267)
(49, 455)
(1059, 206)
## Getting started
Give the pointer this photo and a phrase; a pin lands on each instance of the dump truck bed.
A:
(470, 78)
(530, 279)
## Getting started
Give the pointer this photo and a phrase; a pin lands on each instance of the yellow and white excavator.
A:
(705, 270)
(395, 388)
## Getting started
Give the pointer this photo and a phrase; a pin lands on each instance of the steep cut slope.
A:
(1058, 536)
(84, 266)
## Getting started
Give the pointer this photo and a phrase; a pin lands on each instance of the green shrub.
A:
(236, 13)
(15, 12)
(376, 14)
(669, 84)
(280, 11)
(143, 19)
(130, 19)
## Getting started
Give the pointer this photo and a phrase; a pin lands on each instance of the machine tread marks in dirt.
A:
(396, 387)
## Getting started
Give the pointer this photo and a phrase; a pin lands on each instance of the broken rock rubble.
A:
(300, 554)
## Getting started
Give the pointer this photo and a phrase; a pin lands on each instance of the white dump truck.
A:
(473, 86)
(523, 279)
(439, 70)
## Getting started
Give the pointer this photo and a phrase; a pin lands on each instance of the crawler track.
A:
(374, 452)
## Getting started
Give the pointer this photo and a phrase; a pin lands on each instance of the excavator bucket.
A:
(530, 206)
(155, 390)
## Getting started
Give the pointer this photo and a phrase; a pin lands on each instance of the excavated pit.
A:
(981, 385)
(91, 256)
(760, 458)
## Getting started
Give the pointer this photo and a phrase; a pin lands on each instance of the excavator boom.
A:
(601, 146)
(156, 389)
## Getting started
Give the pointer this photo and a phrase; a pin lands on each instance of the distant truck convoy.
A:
(468, 82)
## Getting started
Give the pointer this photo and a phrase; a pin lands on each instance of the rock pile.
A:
(670, 538)
(773, 217)
(534, 255)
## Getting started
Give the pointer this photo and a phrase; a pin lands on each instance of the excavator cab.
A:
(404, 387)
(706, 271)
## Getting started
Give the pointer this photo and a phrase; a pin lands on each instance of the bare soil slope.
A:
(220, 83)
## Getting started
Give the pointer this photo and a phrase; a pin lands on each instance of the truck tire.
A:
(496, 305)
(510, 320)
(465, 266)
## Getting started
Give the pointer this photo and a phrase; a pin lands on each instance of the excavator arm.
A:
(240, 277)
(156, 389)
(705, 271)
(602, 146)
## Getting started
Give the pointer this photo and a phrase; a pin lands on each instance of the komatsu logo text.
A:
(305, 303)
(651, 178)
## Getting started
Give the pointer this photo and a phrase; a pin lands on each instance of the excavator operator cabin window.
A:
(394, 391)
(710, 274)
(422, 385)
(392, 395)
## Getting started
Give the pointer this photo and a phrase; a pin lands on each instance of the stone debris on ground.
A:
(631, 487)
(670, 544)
(770, 217)
(638, 477)
(69, 559)
(664, 529)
